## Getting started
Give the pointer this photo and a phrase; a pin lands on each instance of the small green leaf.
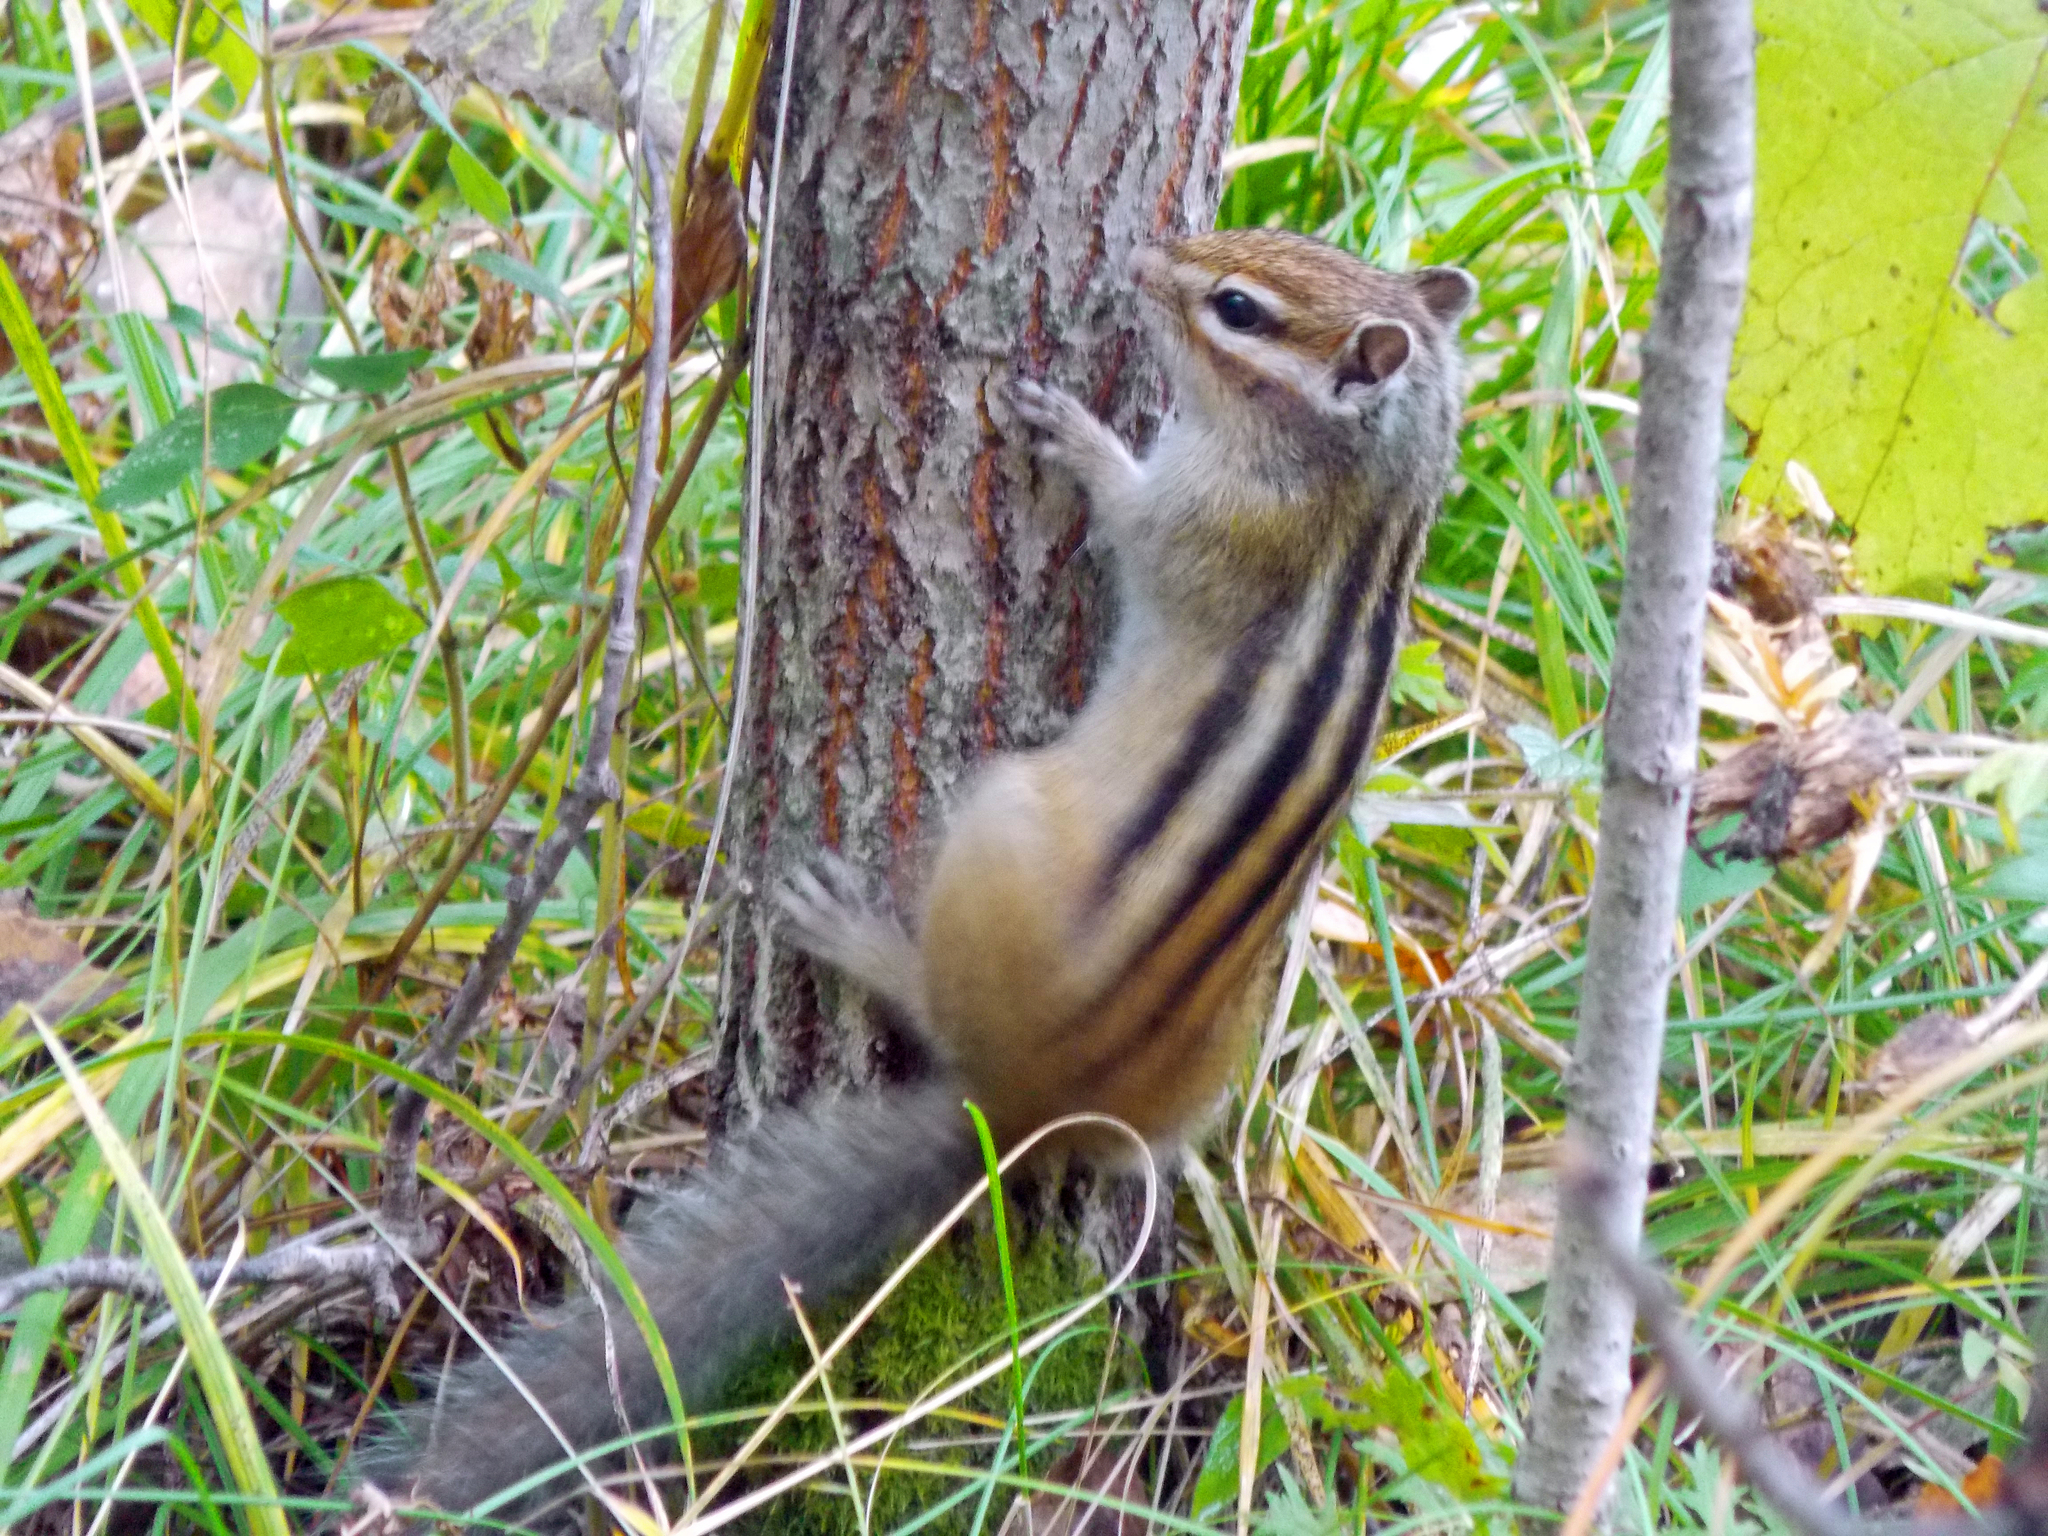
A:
(2025, 546)
(190, 324)
(374, 373)
(1419, 679)
(248, 421)
(1701, 883)
(2022, 878)
(1550, 760)
(362, 215)
(2019, 773)
(1979, 1350)
(521, 275)
(1216, 1488)
(479, 188)
(341, 623)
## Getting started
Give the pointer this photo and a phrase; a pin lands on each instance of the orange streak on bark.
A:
(846, 676)
(956, 281)
(988, 547)
(995, 224)
(764, 744)
(1185, 133)
(915, 349)
(911, 75)
(1081, 97)
(908, 800)
(890, 231)
(1037, 344)
(842, 714)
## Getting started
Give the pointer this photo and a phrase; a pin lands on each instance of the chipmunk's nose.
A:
(1149, 268)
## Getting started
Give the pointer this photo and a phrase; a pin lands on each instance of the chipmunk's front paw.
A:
(1051, 410)
(1075, 437)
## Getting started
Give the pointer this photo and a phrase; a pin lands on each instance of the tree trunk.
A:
(1652, 742)
(961, 188)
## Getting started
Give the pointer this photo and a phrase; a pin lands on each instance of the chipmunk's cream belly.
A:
(1037, 946)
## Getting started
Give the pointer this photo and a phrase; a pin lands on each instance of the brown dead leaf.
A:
(1920, 1046)
(44, 234)
(142, 687)
(504, 313)
(711, 249)
(1098, 1465)
(1798, 790)
(1516, 1237)
(144, 684)
(1342, 923)
(1212, 1333)
(41, 967)
(411, 316)
(393, 107)
(237, 266)
(1758, 567)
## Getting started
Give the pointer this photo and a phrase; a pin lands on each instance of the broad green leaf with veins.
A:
(1896, 336)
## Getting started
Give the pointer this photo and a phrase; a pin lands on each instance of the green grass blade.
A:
(211, 1362)
(34, 357)
(993, 1161)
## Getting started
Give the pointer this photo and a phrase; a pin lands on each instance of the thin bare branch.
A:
(1651, 741)
(370, 1263)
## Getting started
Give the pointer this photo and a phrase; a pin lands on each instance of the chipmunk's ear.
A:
(1446, 292)
(1372, 354)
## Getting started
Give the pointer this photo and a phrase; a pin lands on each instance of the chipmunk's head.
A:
(1267, 324)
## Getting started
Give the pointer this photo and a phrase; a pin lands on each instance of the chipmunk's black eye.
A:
(1239, 311)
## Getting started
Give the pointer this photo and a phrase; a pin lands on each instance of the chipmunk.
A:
(1098, 926)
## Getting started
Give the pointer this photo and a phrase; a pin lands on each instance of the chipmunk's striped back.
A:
(1239, 853)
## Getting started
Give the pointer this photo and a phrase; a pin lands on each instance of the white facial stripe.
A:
(1267, 356)
(1200, 285)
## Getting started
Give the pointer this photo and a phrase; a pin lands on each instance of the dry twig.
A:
(370, 1263)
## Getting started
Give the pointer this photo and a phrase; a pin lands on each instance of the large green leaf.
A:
(342, 623)
(479, 188)
(1896, 339)
(246, 422)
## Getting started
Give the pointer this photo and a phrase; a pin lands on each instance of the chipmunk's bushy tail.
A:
(822, 1196)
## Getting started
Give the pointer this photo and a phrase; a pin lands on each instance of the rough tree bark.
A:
(962, 185)
(1652, 741)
